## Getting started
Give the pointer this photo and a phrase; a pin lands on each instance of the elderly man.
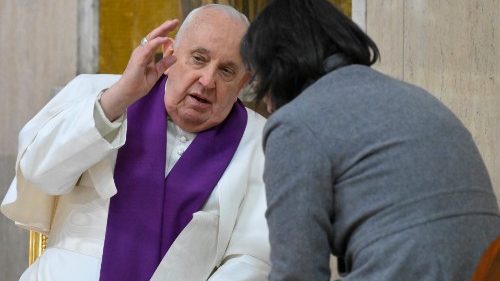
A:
(150, 176)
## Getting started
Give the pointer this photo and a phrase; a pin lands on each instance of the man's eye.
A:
(198, 59)
(227, 72)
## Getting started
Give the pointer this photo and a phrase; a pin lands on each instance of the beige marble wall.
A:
(452, 49)
(385, 24)
(38, 52)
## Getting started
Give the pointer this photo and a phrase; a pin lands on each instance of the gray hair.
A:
(228, 10)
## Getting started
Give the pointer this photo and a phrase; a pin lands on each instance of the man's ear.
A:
(168, 50)
(167, 47)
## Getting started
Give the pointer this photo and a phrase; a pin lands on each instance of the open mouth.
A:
(199, 99)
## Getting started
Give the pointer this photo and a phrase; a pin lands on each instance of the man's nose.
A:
(207, 77)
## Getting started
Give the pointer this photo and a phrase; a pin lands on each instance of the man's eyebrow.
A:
(200, 50)
(231, 65)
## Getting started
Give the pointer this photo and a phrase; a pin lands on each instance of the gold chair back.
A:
(37, 244)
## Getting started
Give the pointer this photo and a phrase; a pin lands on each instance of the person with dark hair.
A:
(360, 165)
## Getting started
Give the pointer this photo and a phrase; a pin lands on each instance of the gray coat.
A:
(379, 173)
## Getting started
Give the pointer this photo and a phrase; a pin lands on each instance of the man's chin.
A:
(194, 123)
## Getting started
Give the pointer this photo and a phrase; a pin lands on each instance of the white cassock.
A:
(64, 181)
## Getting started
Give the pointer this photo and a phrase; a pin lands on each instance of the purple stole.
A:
(149, 211)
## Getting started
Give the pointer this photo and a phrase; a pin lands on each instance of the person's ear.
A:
(168, 50)
(167, 47)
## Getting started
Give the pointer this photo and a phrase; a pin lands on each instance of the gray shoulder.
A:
(291, 113)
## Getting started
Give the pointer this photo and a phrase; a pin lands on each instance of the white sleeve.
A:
(66, 142)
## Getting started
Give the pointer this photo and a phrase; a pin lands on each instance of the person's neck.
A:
(179, 129)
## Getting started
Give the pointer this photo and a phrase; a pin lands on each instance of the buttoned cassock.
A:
(64, 180)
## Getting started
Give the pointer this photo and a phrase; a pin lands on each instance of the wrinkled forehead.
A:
(215, 31)
(217, 22)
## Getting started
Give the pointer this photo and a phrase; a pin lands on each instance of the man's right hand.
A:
(141, 73)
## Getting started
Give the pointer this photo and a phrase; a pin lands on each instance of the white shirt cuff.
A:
(108, 130)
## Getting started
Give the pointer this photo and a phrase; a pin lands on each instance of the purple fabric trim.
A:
(149, 211)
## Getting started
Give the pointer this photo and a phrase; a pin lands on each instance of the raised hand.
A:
(142, 72)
